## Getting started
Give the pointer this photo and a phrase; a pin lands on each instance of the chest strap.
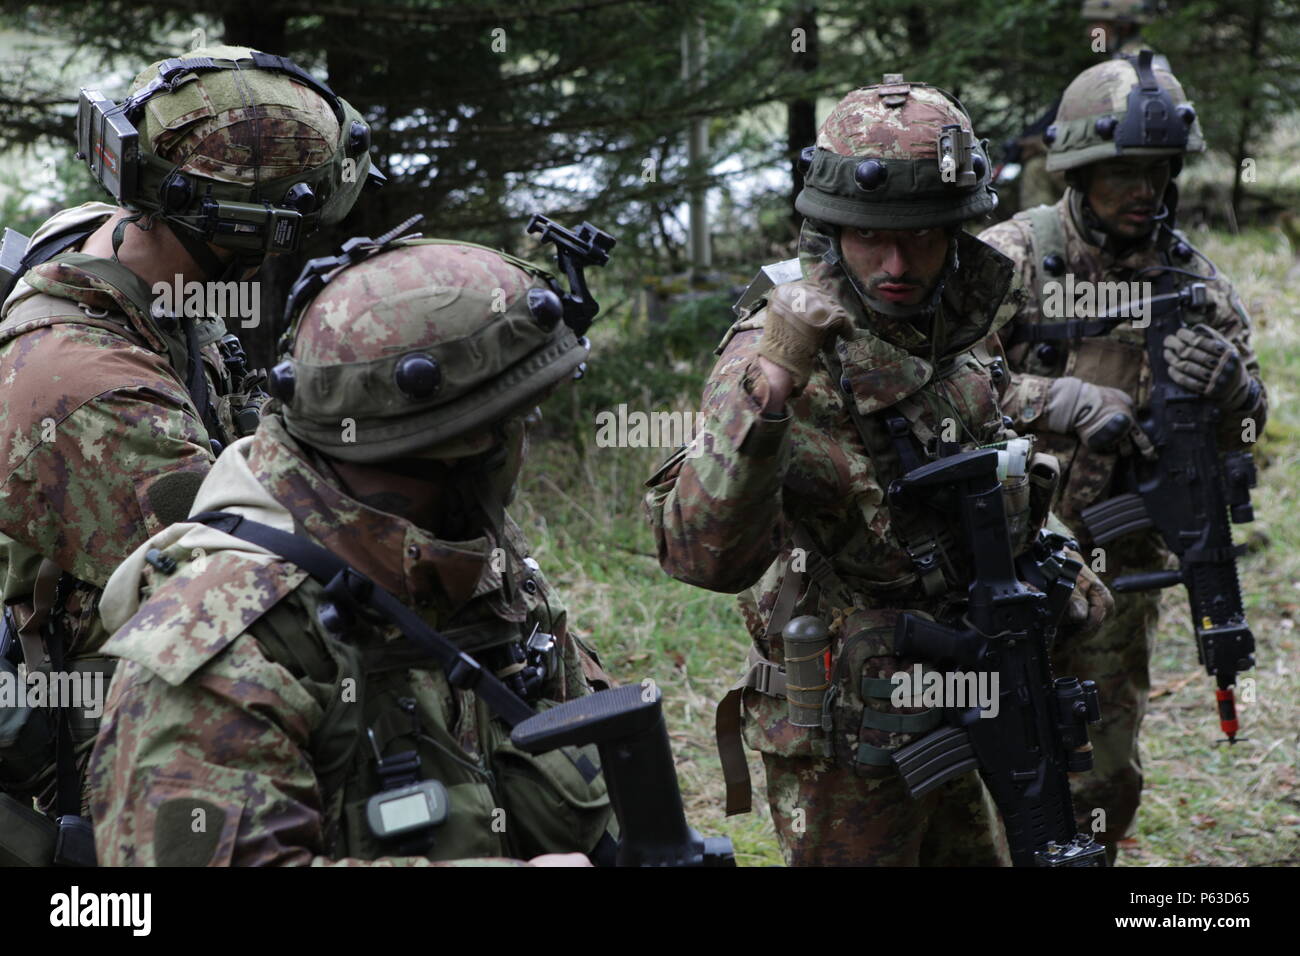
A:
(888, 437)
(1058, 331)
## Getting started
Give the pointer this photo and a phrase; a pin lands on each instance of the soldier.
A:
(295, 718)
(1114, 28)
(825, 390)
(117, 400)
(1082, 394)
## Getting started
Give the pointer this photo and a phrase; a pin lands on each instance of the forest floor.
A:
(1204, 803)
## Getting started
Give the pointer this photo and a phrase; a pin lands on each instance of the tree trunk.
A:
(801, 114)
(1246, 125)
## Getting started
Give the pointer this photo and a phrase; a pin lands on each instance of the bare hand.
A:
(779, 384)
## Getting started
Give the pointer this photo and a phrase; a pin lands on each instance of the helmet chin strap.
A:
(834, 257)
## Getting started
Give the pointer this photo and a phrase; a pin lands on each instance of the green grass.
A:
(1204, 803)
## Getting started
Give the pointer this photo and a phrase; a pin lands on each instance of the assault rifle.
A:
(1187, 493)
(627, 726)
(1040, 731)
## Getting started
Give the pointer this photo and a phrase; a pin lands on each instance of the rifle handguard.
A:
(1147, 581)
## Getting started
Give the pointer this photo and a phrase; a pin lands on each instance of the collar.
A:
(967, 310)
(1104, 247)
(404, 559)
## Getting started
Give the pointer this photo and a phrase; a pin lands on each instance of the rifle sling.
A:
(461, 670)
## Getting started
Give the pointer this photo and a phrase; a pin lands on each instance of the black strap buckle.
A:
(925, 556)
(74, 844)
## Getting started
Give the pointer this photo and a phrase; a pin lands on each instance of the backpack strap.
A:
(184, 341)
(1047, 239)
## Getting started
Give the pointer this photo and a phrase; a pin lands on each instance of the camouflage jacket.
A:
(233, 699)
(724, 512)
(101, 444)
(1117, 359)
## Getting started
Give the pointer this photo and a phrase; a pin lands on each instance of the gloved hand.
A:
(1090, 602)
(799, 319)
(1099, 415)
(1201, 360)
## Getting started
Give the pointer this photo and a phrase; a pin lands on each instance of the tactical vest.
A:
(1103, 352)
(373, 737)
(1109, 354)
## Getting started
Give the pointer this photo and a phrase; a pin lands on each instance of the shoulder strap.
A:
(184, 348)
(887, 436)
(1048, 239)
(344, 583)
(43, 251)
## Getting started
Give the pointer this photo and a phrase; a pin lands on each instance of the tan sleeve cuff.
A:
(1026, 400)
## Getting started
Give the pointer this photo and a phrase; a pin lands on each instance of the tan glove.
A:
(1201, 360)
(1090, 602)
(1102, 417)
(799, 319)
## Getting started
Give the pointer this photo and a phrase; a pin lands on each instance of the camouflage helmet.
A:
(1119, 11)
(898, 155)
(1122, 107)
(420, 348)
(235, 125)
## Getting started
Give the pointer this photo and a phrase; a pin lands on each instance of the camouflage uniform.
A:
(232, 695)
(757, 494)
(1117, 656)
(101, 436)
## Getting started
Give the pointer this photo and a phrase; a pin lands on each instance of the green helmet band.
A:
(867, 192)
(425, 395)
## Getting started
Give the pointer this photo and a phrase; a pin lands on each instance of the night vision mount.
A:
(574, 251)
(319, 271)
(1151, 119)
